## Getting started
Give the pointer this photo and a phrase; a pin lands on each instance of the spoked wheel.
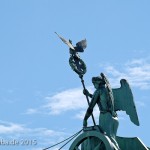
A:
(92, 140)
(78, 65)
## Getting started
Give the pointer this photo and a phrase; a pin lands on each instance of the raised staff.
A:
(76, 63)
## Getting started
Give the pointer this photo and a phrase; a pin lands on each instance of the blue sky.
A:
(40, 96)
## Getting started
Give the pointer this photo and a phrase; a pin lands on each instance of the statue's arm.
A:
(90, 95)
(86, 92)
(93, 102)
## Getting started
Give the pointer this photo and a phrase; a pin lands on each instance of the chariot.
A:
(92, 138)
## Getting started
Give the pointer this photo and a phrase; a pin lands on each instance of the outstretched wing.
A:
(123, 100)
(66, 42)
(81, 45)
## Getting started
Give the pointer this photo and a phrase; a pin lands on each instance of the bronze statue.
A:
(103, 136)
(109, 101)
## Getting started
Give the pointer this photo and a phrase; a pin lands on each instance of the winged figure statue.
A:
(109, 102)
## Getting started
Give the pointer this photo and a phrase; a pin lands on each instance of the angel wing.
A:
(66, 42)
(123, 100)
(81, 45)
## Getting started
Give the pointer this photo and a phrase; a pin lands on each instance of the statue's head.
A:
(97, 81)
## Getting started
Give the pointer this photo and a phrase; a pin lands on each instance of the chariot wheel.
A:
(92, 140)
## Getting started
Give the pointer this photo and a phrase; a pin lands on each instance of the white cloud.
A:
(71, 99)
(43, 136)
(137, 72)
(68, 100)
(32, 111)
(81, 113)
(13, 128)
(10, 128)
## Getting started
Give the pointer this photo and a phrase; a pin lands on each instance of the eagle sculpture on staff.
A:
(76, 63)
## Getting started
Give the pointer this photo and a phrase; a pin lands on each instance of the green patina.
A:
(103, 136)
